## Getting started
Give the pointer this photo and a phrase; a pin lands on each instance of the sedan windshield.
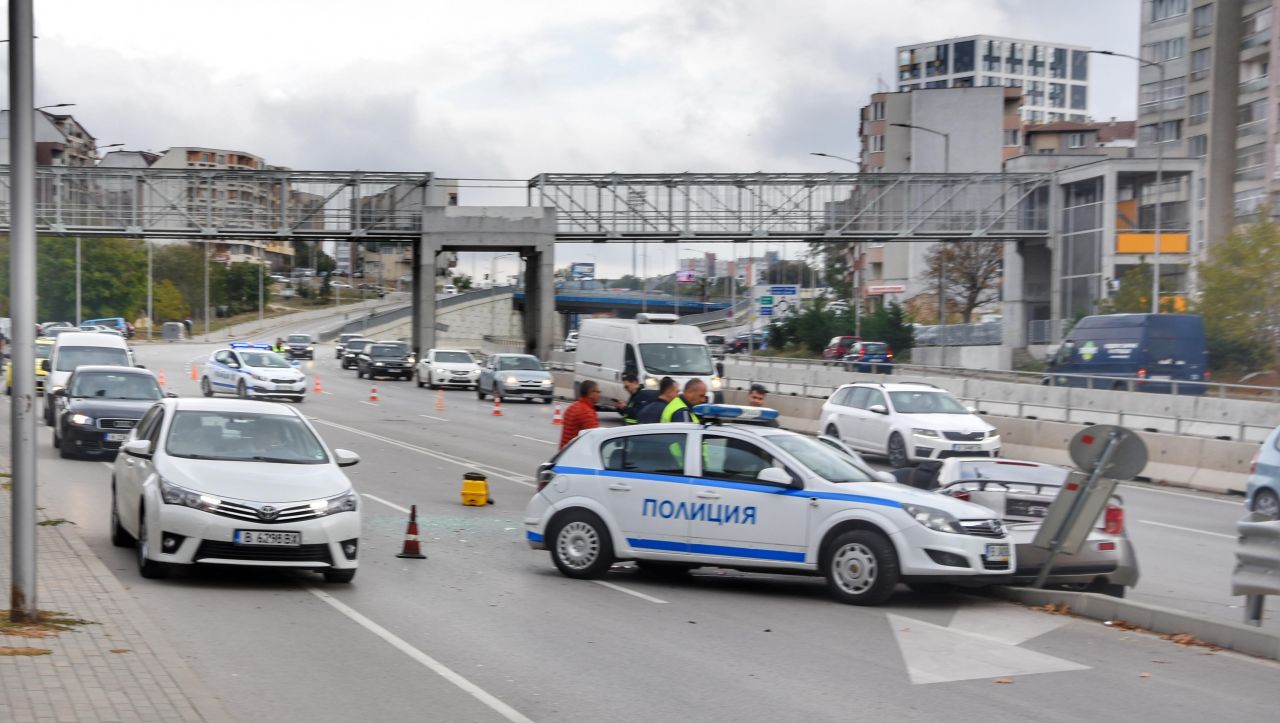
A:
(386, 351)
(926, 403)
(70, 357)
(453, 357)
(684, 359)
(821, 459)
(244, 438)
(109, 385)
(298, 339)
(264, 359)
(357, 345)
(519, 363)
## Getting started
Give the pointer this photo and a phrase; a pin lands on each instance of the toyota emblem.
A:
(267, 512)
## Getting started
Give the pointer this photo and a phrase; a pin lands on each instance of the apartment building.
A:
(1114, 139)
(60, 140)
(1053, 77)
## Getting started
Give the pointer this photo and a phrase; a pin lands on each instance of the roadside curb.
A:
(1157, 619)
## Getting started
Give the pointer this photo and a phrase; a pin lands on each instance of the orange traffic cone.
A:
(373, 393)
(411, 548)
(497, 407)
(193, 372)
(162, 381)
(556, 419)
(318, 389)
(439, 400)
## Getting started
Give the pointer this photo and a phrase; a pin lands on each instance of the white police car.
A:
(753, 497)
(252, 371)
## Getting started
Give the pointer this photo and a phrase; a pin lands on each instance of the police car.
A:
(252, 371)
(755, 498)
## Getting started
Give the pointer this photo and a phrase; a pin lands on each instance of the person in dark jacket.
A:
(652, 412)
(637, 401)
(755, 398)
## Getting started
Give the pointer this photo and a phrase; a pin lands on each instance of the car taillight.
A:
(546, 473)
(862, 353)
(1113, 521)
(1142, 373)
(888, 352)
(1253, 463)
(961, 495)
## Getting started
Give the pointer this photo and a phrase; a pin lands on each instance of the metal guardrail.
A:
(1257, 572)
(960, 335)
(725, 316)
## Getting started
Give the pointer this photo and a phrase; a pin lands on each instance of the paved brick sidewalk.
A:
(82, 679)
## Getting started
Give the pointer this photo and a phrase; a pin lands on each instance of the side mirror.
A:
(140, 366)
(878, 409)
(233, 365)
(774, 476)
(59, 392)
(44, 365)
(886, 477)
(345, 457)
(137, 448)
(972, 410)
(171, 395)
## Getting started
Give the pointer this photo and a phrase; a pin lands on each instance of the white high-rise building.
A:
(1054, 77)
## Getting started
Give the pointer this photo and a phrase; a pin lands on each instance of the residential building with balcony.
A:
(1115, 139)
(60, 140)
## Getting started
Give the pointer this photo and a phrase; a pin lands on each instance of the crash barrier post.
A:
(1257, 572)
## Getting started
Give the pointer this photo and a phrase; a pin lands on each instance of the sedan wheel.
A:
(897, 452)
(205, 387)
(1267, 504)
(119, 536)
(241, 390)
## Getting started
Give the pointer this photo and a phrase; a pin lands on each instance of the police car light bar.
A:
(734, 411)
(247, 345)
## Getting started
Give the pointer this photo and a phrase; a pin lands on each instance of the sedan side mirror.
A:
(878, 409)
(44, 365)
(775, 476)
(137, 448)
(345, 457)
(972, 410)
(171, 395)
(886, 477)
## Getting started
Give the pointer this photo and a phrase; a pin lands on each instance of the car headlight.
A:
(993, 433)
(546, 382)
(345, 502)
(311, 348)
(716, 383)
(379, 364)
(511, 380)
(81, 420)
(934, 519)
(651, 383)
(172, 494)
(925, 432)
(413, 360)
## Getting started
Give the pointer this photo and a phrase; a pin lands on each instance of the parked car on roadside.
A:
(835, 349)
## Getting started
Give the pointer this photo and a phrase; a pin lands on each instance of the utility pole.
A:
(22, 304)
(79, 315)
(151, 314)
(206, 291)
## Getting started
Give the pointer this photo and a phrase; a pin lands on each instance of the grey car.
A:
(515, 375)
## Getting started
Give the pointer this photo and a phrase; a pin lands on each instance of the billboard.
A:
(581, 271)
(686, 277)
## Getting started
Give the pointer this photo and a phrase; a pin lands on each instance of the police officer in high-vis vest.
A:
(680, 408)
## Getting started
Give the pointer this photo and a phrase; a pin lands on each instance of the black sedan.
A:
(98, 407)
(384, 360)
(300, 346)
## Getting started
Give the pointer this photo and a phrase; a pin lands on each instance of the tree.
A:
(183, 264)
(1133, 293)
(113, 277)
(462, 282)
(168, 304)
(970, 273)
(891, 325)
(1240, 296)
(832, 260)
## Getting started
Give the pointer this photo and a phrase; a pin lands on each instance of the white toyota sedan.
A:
(448, 368)
(252, 371)
(232, 482)
(678, 496)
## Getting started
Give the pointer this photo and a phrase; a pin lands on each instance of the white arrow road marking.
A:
(1009, 625)
(934, 654)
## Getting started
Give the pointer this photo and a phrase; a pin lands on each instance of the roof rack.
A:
(922, 384)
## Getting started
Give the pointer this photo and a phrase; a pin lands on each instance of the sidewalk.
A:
(118, 667)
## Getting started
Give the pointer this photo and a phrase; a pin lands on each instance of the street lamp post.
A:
(1155, 265)
(857, 265)
(942, 261)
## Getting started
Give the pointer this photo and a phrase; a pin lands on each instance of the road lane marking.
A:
(937, 654)
(451, 459)
(1144, 488)
(438, 419)
(1188, 529)
(435, 666)
(392, 505)
(533, 439)
(633, 593)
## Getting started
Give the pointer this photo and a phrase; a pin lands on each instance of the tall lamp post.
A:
(857, 266)
(1155, 264)
(942, 266)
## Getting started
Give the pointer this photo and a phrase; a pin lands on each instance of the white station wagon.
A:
(756, 498)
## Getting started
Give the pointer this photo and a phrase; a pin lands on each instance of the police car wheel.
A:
(205, 387)
(861, 568)
(581, 547)
(898, 451)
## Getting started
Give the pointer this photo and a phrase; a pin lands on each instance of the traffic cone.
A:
(373, 393)
(411, 548)
(318, 389)
(193, 372)
(556, 419)
(162, 381)
(497, 407)
(439, 400)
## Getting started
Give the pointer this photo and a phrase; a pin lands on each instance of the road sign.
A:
(886, 289)
(1128, 456)
(784, 290)
(766, 311)
(766, 300)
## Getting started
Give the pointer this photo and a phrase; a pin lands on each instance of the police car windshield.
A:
(70, 357)
(926, 403)
(1011, 472)
(518, 363)
(454, 357)
(107, 385)
(821, 459)
(265, 359)
(275, 438)
(684, 359)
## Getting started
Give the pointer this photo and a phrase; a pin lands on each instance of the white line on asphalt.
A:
(372, 404)
(1187, 529)
(640, 595)
(533, 439)
(427, 661)
(1145, 488)
(438, 419)
(392, 505)
(452, 459)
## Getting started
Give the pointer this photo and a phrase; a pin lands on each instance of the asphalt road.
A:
(486, 629)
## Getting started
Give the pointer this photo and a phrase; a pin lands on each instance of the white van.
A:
(651, 346)
(76, 348)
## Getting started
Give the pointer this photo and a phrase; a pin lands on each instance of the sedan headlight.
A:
(379, 364)
(172, 494)
(546, 382)
(934, 519)
(81, 420)
(993, 433)
(925, 432)
(511, 380)
(311, 348)
(345, 502)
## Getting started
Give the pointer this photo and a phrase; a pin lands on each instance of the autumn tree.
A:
(1133, 293)
(970, 272)
(168, 303)
(1240, 296)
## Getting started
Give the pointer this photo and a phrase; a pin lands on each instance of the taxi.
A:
(44, 345)
(252, 371)
(755, 498)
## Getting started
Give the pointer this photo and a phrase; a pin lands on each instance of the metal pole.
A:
(942, 303)
(206, 290)
(1253, 609)
(262, 260)
(22, 304)
(79, 315)
(151, 313)
(857, 289)
(1155, 271)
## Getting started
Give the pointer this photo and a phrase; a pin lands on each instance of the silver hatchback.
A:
(515, 375)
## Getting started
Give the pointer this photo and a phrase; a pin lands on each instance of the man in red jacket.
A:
(581, 414)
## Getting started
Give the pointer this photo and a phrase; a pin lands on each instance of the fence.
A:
(1257, 572)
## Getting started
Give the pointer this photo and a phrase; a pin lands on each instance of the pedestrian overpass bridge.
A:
(419, 208)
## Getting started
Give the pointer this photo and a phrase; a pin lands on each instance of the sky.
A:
(513, 88)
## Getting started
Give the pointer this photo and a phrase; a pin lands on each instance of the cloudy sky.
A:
(508, 89)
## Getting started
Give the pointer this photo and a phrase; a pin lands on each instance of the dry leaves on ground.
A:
(49, 623)
(1003, 681)
(1190, 641)
(1055, 608)
(6, 651)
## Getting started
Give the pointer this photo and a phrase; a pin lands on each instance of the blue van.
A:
(114, 322)
(1155, 349)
